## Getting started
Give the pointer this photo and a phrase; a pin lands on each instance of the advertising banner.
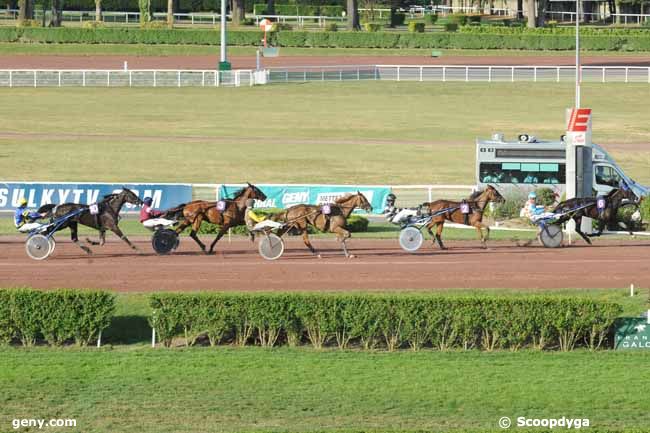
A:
(632, 333)
(40, 193)
(284, 196)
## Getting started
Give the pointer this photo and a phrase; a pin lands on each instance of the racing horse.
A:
(328, 218)
(230, 215)
(105, 218)
(477, 202)
(588, 207)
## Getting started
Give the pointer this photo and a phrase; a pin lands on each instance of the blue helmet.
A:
(148, 201)
(623, 185)
(532, 195)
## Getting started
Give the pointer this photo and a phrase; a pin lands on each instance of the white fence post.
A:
(154, 78)
(83, 78)
(421, 73)
(603, 74)
(130, 79)
(489, 74)
(535, 74)
(59, 78)
(202, 78)
(466, 73)
(398, 73)
(108, 78)
(444, 74)
(512, 74)
(558, 74)
(626, 73)
(34, 78)
(179, 73)
(11, 77)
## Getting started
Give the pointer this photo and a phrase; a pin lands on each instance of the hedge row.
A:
(325, 39)
(391, 321)
(56, 317)
(584, 31)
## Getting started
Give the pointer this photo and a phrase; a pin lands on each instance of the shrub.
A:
(93, 25)
(546, 196)
(331, 27)
(431, 19)
(416, 321)
(281, 26)
(372, 27)
(55, 316)
(460, 19)
(511, 208)
(451, 27)
(397, 19)
(357, 224)
(474, 19)
(416, 27)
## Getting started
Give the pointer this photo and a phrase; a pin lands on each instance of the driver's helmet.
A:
(532, 195)
(22, 202)
(250, 203)
(623, 185)
(147, 201)
(390, 199)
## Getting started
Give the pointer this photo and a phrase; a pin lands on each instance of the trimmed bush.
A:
(397, 19)
(372, 27)
(460, 19)
(391, 321)
(431, 19)
(56, 317)
(545, 196)
(451, 27)
(331, 27)
(416, 27)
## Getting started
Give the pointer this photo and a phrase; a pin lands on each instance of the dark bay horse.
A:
(232, 215)
(107, 217)
(301, 216)
(477, 203)
(613, 200)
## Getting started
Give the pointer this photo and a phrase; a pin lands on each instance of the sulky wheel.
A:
(550, 235)
(271, 246)
(164, 241)
(410, 239)
(38, 247)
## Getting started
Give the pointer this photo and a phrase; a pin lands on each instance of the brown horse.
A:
(301, 216)
(588, 207)
(476, 203)
(230, 215)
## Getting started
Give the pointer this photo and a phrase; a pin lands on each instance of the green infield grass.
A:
(302, 390)
(354, 132)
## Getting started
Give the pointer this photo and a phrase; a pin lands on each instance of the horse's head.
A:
(129, 196)
(493, 195)
(255, 192)
(354, 201)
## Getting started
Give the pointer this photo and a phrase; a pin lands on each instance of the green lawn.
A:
(369, 132)
(8, 48)
(299, 390)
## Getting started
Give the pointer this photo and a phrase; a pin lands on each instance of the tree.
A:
(98, 10)
(238, 12)
(170, 13)
(270, 7)
(25, 11)
(57, 15)
(541, 12)
(145, 11)
(353, 15)
(520, 9)
(530, 6)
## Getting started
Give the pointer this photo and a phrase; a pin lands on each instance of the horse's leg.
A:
(115, 229)
(433, 237)
(578, 221)
(75, 237)
(343, 235)
(484, 238)
(307, 242)
(439, 235)
(102, 239)
(222, 232)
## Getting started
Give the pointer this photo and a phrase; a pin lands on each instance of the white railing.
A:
(193, 18)
(127, 78)
(456, 73)
(596, 16)
(473, 10)
(300, 19)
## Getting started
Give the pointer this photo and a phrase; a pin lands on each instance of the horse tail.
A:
(175, 212)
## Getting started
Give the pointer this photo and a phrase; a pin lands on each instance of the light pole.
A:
(224, 65)
(578, 72)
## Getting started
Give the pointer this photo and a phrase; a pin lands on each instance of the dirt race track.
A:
(248, 62)
(379, 265)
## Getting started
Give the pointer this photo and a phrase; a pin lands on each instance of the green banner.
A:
(632, 333)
